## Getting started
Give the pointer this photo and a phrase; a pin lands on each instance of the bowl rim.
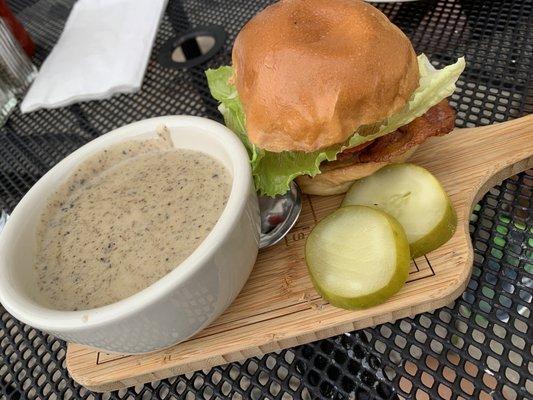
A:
(30, 312)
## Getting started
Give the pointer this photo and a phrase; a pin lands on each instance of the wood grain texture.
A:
(279, 307)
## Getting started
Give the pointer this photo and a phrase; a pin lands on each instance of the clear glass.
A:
(16, 69)
(8, 102)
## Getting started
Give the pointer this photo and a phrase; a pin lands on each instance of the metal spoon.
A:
(278, 215)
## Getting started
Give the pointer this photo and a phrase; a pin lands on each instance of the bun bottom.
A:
(339, 180)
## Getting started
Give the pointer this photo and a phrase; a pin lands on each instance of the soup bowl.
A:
(179, 304)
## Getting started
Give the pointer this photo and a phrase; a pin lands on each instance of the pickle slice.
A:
(413, 196)
(357, 257)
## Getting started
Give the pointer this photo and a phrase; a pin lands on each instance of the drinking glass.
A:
(16, 69)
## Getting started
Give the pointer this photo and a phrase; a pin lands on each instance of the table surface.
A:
(477, 347)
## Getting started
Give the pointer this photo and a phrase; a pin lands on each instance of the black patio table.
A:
(477, 347)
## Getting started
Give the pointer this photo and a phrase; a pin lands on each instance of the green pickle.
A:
(357, 257)
(413, 196)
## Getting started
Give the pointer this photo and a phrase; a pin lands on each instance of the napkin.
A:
(103, 50)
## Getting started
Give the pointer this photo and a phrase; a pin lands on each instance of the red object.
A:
(17, 29)
(276, 219)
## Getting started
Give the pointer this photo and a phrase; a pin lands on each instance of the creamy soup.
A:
(125, 218)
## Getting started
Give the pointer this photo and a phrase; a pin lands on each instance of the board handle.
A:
(509, 151)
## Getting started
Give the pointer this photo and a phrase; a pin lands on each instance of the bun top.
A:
(310, 72)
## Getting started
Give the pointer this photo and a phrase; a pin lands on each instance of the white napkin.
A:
(103, 50)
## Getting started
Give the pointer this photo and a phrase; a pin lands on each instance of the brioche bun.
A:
(309, 73)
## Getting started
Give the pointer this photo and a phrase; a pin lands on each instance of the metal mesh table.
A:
(477, 347)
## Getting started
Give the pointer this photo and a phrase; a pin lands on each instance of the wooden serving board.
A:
(279, 307)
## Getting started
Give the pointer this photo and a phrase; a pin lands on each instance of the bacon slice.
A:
(351, 152)
(437, 121)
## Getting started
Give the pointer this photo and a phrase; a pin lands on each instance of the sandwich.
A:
(326, 92)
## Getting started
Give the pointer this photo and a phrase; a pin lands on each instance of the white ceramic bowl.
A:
(179, 304)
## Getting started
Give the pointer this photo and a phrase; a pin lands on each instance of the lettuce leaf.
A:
(273, 172)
